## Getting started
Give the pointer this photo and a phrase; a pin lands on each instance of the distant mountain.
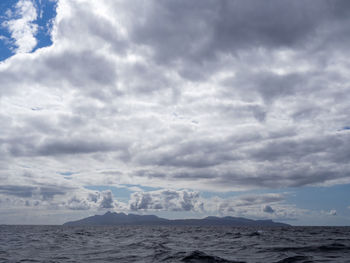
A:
(132, 219)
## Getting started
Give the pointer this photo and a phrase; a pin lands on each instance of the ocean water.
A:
(173, 244)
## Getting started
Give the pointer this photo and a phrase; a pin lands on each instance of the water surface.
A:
(173, 244)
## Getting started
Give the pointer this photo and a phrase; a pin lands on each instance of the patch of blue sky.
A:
(120, 193)
(5, 36)
(206, 194)
(66, 173)
(143, 188)
(322, 198)
(46, 12)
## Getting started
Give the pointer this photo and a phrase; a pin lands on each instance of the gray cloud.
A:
(268, 209)
(85, 70)
(32, 146)
(75, 203)
(243, 203)
(259, 199)
(167, 200)
(57, 197)
(107, 200)
(42, 192)
(268, 85)
(80, 69)
(91, 200)
(20, 191)
(197, 32)
(54, 147)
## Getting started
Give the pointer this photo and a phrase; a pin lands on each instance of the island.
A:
(113, 218)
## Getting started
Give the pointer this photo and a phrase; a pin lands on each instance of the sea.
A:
(173, 244)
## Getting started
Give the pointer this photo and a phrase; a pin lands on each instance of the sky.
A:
(178, 108)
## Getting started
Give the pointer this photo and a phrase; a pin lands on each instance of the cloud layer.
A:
(216, 95)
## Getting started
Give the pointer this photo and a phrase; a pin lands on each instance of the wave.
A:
(201, 257)
(321, 248)
(295, 259)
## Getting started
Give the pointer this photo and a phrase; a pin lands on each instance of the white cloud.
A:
(165, 200)
(23, 29)
(253, 206)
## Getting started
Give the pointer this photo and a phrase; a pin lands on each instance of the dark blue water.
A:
(173, 244)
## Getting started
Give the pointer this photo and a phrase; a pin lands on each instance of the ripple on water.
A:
(173, 244)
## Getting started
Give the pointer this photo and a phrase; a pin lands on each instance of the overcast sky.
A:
(180, 108)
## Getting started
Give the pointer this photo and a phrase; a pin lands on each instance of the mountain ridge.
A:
(113, 218)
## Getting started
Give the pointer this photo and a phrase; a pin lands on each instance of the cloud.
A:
(42, 192)
(127, 96)
(107, 201)
(230, 25)
(259, 199)
(332, 212)
(57, 197)
(90, 200)
(241, 203)
(79, 199)
(268, 209)
(77, 204)
(216, 95)
(83, 199)
(166, 200)
(21, 26)
(184, 200)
